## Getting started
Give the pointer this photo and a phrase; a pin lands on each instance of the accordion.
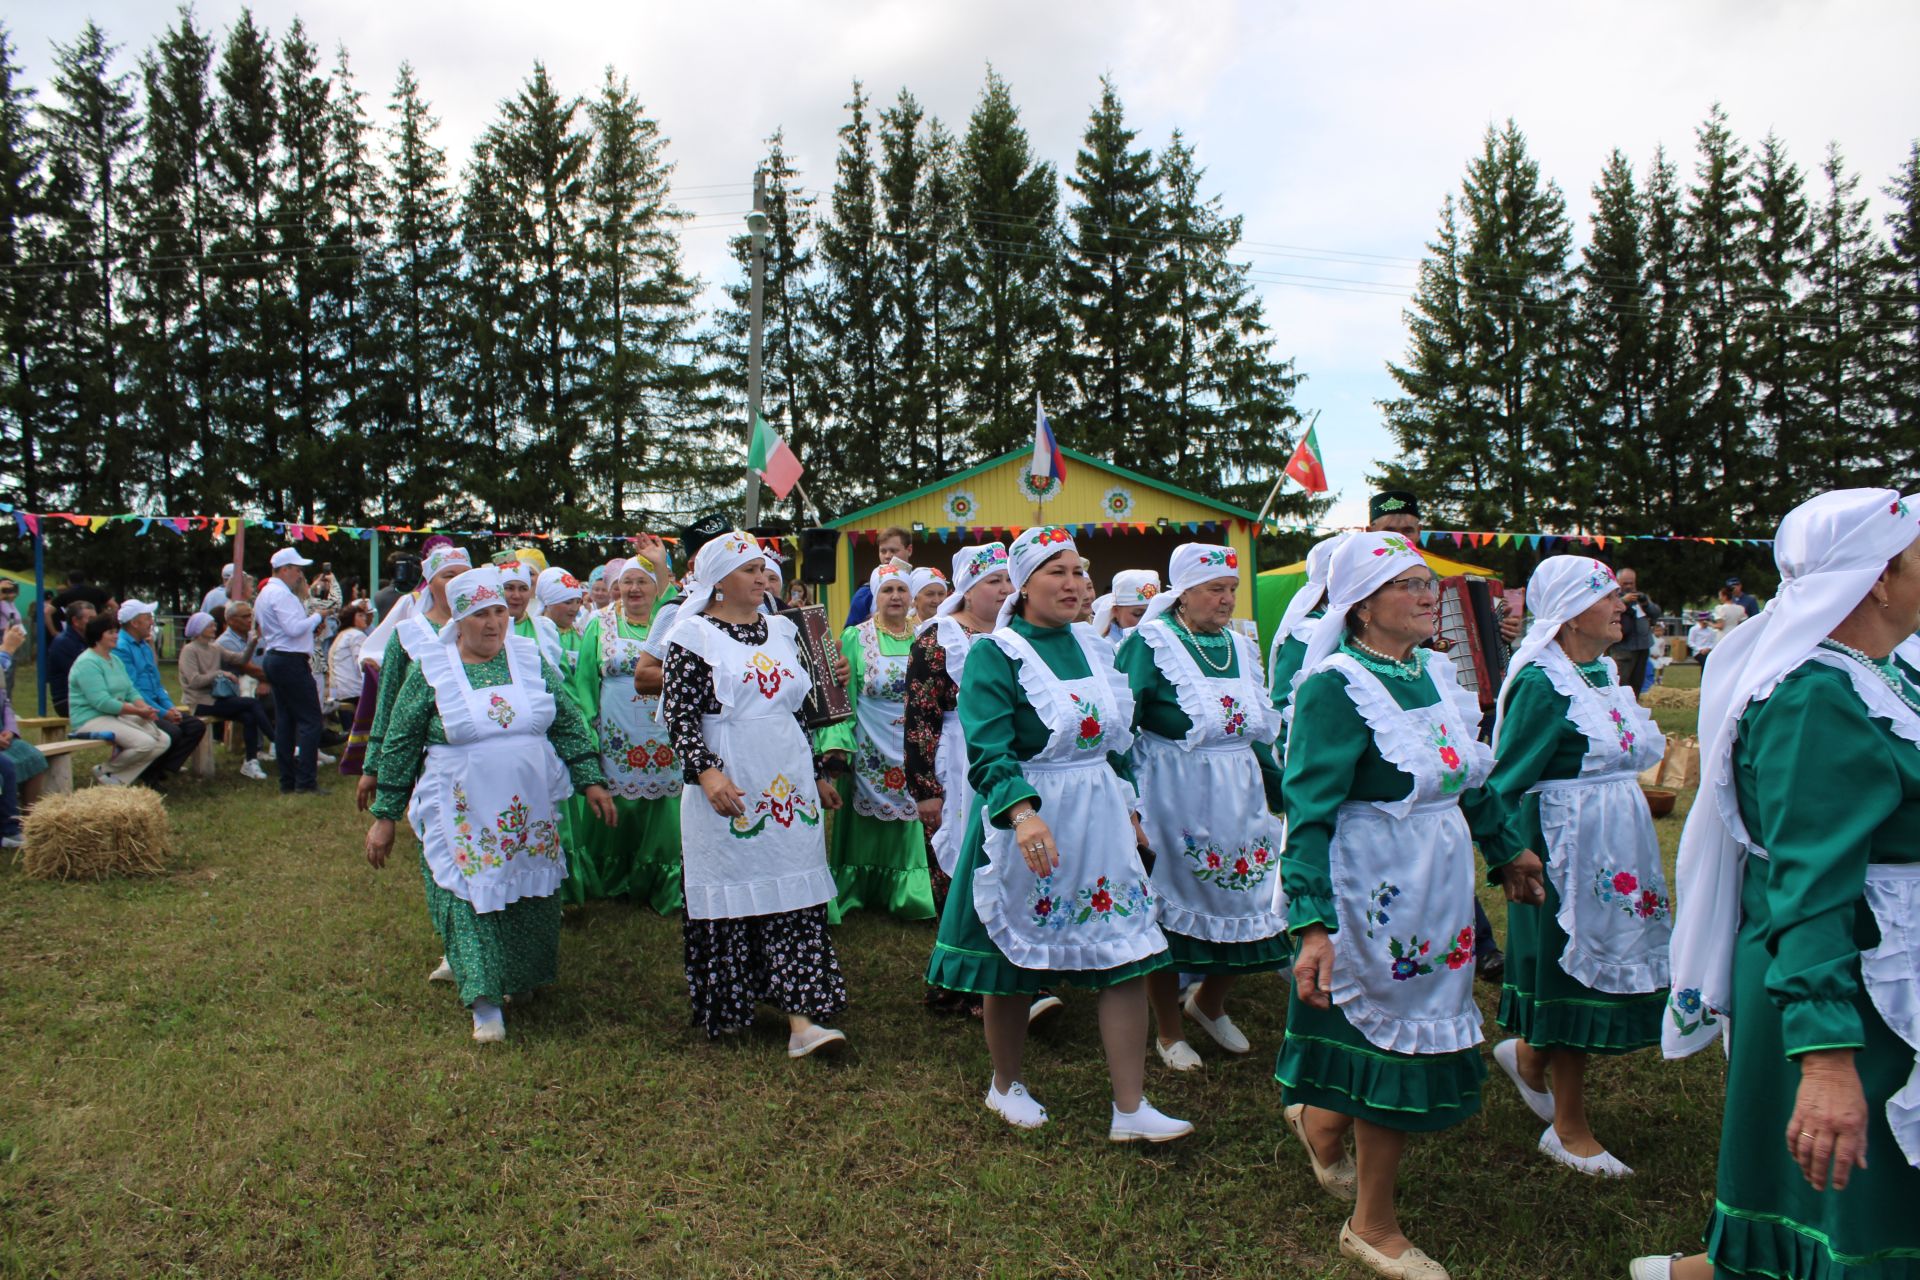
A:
(1469, 632)
(828, 702)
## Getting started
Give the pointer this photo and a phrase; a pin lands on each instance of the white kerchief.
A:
(1033, 548)
(1314, 594)
(1361, 565)
(1560, 590)
(718, 557)
(1191, 565)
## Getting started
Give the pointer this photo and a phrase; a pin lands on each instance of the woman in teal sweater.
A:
(101, 699)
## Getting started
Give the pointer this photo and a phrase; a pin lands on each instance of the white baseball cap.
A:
(288, 556)
(131, 609)
(226, 571)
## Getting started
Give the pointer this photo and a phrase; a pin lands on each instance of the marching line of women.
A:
(1124, 805)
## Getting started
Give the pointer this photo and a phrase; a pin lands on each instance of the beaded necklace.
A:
(1588, 670)
(1381, 665)
(1901, 689)
(1217, 640)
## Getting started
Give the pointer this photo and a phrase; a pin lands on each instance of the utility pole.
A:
(757, 267)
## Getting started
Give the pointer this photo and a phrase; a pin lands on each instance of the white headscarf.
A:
(1193, 564)
(440, 557)
(1560, 590)
(1132, 588)
(517, 571)
(886, 571)
(1033, 548)
(468, 594)
(1831, 549)
(718, 557)
(1311, 596)
(557, 586)
(970, 566)
(635, 564)
(920, 579)
(1361, 565)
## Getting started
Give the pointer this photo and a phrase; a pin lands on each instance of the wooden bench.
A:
(58, 779)
(40, 729)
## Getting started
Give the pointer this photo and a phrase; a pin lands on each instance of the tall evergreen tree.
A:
(482, 401)
(907, 254)
(1674, 450)
(944, 300)
(1434, 419)
(1013, 274)
(1118, 293)
(351, 255)
(1226, 399)
(1773, 337)
(853, 320)
(1897, 320)
(1719, 234)
(26, 288)
(1613, 351)
(1844, 441)
(303, 220)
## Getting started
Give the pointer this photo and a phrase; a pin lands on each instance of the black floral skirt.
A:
(785, 960)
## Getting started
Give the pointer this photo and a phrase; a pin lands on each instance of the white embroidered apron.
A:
(487, 805)
(1203, 803)
(950, 762)
(880, 732)
(1403, 874)
(636, 750)
(1891, 972)
(1096, 911)
(772, 858)
(1602, 853)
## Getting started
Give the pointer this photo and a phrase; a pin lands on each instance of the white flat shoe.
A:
(1411, 1265)
(1539, 1101)
(1657, 1266)
(1044, 1006)
(1224, 1033)
(1146, 1125)
(1178, 1056)
(814, 1039)
(489, 1022)
(1016, 1106)
(443, 974)
(1339, 1179)
(1604, 1165)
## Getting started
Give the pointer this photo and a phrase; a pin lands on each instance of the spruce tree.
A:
(1773, 333)
(1226, 398)
(944, 302)
(1719, 235)
(1013, 275)
(1612, 366)
(1119, 290)
(854, 329)
(1675, 452)
(26, 288)
(1897, 322)
(483, 402)
(907, 254)
(351, 256)
(303, 218)
(1844, 441)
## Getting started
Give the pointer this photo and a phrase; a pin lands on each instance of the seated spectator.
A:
(136, 653)
(343, 660)
(10, 618)
(209, 684)
(103, 700)
(1701, 636)
(67, 646)
(20, 760)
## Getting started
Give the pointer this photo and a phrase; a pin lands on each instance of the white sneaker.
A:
(102, 778)
(12, 842)
(322, 757)
(1224, 1033)
(1658, 1266)
(1016, 1106)
(1604, 1165)
(252, 769)
(1145, 1125)
(1043, 1006)
(443, 974)
(814, 1039)
(1179, 1056)
(489, 1022)
(1540, 1101)
(267, 755)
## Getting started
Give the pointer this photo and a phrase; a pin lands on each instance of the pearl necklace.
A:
(1202, 643)
(1591, 683)
(1380, 664)
(1888, 678)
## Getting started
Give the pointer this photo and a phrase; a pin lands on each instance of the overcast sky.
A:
(1335, 129)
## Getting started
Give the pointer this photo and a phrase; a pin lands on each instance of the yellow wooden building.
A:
(1120, 519)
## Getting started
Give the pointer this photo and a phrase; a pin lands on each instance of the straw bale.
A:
(95, 833)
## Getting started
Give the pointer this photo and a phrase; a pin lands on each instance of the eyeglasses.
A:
(1417, 586)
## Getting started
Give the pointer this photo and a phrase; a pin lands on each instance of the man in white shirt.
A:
(286, 632)
(217, 596)
(1702, 636)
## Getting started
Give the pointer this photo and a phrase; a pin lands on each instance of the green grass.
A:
(239, 1069)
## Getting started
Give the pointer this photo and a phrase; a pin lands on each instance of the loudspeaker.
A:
(819, 556)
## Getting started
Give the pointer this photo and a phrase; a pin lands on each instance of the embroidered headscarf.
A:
(557, 586)
(1560, 590)
(1831, 549)
(887, 571)
(1192, 565)
(442, 556)
(920, 579)
(971, 566)
(1361, 565)
(468, 594)
(516, 571)
(1132, 588)
(718, 557)
(1033, 548)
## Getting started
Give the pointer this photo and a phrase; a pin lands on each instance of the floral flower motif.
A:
(1649, 904)
(986, 560)
(1243, 869)
(1461, 954)
(1049, 907)
(1117, 503)
(1689, 1012)
(1626, 892)
(1620, 728)
(1898, 509)
(961, 506)
(1220, 556)
(513, 833)
(637, 757)
(1409, 959)
(1233, 718)
(1377, 903)
(1601, 580)
(1052, 534)
(1038, 488)
(466, 602)
(770, 675)
(1625, 882)
(500, 711)
(1455, 773)
(1393, 543)
(895, 779)
(782, 802)
(662, 757)
(1091, 731)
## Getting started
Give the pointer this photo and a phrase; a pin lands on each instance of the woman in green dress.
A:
(1382, 1029)
(1209, 788)
(1586, 969)
(639, 857)
(1799, 902)
(878, 848)
(1038, 901)
(424, 613)
(559, 595)
(481, 748)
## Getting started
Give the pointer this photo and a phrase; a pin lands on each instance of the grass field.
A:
(239, 1069)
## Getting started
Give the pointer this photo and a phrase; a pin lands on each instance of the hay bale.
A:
(1661, 696)
(96, 833)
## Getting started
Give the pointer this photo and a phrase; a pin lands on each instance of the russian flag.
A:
(1046, 451)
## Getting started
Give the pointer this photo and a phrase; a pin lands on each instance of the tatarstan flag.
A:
(772, 459)
(1305, 465)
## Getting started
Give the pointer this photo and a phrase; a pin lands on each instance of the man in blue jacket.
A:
(135, 651)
